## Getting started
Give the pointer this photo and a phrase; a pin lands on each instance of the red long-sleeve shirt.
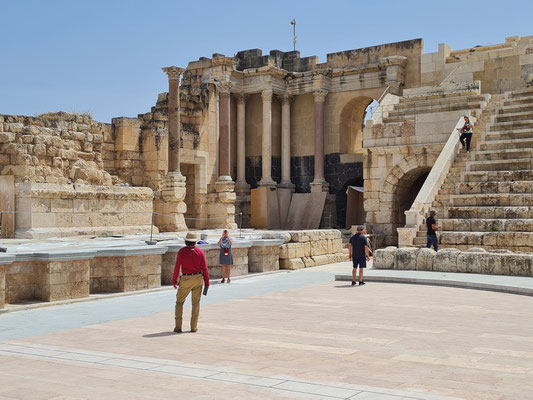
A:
(191, 260)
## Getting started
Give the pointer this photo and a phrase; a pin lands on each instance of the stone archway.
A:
(395, 194)
(352, 118)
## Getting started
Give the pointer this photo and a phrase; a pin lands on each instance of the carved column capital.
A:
(266, 95)
(320, 96)
(241, 98)
(285, 98)
(223, 87)
(173, 72)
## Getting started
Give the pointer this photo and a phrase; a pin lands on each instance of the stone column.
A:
(319, 184)
(286, 141)
(174, 129)
(241, 185)
(224, 145)
(169, 202)
(266, 179)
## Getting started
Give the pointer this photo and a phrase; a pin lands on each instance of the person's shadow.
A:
(160, 334)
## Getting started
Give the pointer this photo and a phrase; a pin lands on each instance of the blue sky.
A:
(105, 57)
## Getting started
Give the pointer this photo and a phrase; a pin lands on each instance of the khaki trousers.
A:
(194, 284)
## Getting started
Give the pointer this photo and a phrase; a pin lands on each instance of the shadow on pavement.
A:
(159, 334)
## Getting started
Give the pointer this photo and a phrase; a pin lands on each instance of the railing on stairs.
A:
(414, 217)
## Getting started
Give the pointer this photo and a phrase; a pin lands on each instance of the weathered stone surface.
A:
(446, 260)
(385, 258)
(425, 259)
(405, 258)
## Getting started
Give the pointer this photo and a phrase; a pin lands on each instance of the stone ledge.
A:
(6, 259)
(131, 251)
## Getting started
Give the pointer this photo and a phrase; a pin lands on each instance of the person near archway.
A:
(466, 133)
(190, 273)
(226, 256)
(431, 223)
(358, 252)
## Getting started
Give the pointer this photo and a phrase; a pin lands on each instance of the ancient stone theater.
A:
(282, 141)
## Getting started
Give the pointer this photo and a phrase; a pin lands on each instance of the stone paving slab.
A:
(286, 335)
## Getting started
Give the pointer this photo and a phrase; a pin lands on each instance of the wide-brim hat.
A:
(191, 237)
(433, 213)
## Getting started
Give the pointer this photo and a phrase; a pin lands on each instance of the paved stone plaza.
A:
(285, 335)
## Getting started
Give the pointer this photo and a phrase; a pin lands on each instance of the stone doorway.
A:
(352, 120)
(405, 194)
(353, 196)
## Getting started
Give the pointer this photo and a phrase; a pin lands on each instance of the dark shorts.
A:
(359, 261)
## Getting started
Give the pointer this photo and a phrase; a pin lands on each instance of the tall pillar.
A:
(241, 185)
(174, 129)
(169, 202)
(319, 183)
(221, 211)
(224, 145)
(266, 154)
(286, 141)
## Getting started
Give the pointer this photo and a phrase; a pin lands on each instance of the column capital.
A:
(241, 97)
(320, 96)
(285, 98)
(266, 95)
(223, 87)
(173, 72)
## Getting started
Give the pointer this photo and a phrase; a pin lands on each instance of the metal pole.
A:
(152, 227)
(240, 225)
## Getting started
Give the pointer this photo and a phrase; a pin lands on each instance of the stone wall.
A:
(310, 248)
(48, 210)
(475, 260)
(56, 147)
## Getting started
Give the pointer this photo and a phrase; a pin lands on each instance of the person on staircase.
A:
(432, 231)
(466, 133)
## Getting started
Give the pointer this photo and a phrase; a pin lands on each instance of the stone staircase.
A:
(409, 107)
(487, 198)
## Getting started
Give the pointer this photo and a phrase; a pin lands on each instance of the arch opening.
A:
(405, 194)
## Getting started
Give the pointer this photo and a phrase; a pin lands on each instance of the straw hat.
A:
(191, 237)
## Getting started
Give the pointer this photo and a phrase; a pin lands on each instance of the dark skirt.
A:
(226, 260)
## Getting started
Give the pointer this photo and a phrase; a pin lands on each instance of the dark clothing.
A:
(432, 240)
(191, 260)
(359, 261)
(468, 137)
(358, 242)
(430, 222)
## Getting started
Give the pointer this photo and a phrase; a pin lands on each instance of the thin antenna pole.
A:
(293, 23)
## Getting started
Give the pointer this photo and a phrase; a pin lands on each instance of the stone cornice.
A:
(173, 72)
(223, 87)
(393, 60)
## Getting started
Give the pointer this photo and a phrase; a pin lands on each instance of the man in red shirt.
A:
(193, 267)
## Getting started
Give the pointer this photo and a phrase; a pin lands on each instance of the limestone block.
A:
(385, 258)
(446, 260)
(425, 259)
(292, 263)
(308, 262)
(518, 264)
(493, 264)
(300, 236)
(323, 259)
(405, 258)
(319, 247)
(469, 262)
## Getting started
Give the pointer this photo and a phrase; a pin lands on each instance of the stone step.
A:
(418, 108)
(440, 97)
(507, 144)
(517, 101)
(482, 225)
(498, 176)
(489, 212)
(486, 187)
(501, 165)
(519, 93)
(512, 109)
(524, 133)
(492, 199)
(503, 154)
(513, 241)
(517, 116)
(511, 125)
